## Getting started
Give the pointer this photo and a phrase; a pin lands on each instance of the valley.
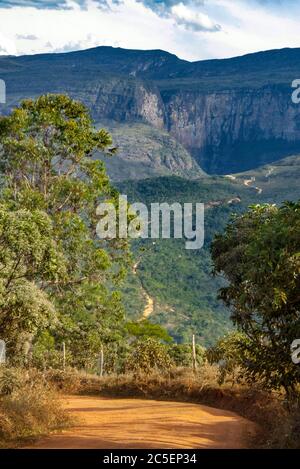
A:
(184, 291)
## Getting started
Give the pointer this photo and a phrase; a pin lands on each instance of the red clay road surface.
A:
(106, 423)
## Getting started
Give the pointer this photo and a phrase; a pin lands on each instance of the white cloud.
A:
(253, 27)
(191, 29)
(192, 19)
(7, 45)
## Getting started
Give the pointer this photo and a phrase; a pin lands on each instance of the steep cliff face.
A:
(127, 100)
(235, 130)
(225, 131)
(230, 115)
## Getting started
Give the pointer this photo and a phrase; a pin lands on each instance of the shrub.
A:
(181, 354)
(148, 354)
(229, 354)
(11, 379)
(72, 381)
(28, 406)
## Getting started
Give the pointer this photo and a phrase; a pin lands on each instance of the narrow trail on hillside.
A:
(105, 423)
(149, 306)
(248, 182)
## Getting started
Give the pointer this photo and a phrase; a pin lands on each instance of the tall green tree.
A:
(47, 150)
(259, 254)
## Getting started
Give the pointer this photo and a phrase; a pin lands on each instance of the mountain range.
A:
(230, 115)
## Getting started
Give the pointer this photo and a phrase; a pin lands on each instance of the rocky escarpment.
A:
(145, 151)
(225, 131)
(127, 100)
(230, 115)
(230, 131)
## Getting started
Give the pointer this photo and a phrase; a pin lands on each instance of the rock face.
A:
(235, 130)
(129, 100)
(225, 131)
(230, 115)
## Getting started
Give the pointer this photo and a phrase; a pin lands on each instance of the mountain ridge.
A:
(230, 115)
(268, 53)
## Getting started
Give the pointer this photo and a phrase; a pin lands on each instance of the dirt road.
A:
(136, 423)
(248, 182)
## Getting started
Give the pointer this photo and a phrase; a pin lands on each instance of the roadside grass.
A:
(29, 407)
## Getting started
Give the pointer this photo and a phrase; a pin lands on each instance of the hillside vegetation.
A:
(145, 152)
(180, 280)
(279, 180)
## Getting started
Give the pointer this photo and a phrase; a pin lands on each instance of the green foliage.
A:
(46, 353)
(144, 329)
(92, 317)
(259, 255)
(148, 354)
(181, 354)
(47, 158)
(229, 354)
(29, 257)
(47, 149)
(180, 280)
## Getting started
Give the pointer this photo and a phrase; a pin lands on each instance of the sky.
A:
(191, 29)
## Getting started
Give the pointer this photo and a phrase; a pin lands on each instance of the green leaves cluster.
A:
(259, 254)
(148, 354)
(29, 256)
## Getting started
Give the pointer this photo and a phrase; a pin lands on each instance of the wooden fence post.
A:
(101, 362)
(2, 352)
(64, 355)
(194, 354)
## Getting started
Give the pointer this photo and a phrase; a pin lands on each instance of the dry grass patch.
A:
(29, 407)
